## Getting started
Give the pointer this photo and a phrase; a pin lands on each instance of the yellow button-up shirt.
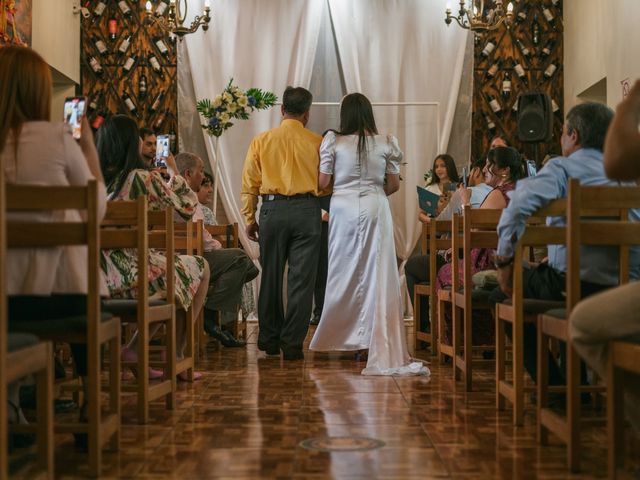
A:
(284, 161)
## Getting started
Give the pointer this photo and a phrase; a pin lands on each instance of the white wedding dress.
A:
(362, 306)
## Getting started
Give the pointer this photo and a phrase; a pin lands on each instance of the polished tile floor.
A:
(248, 415)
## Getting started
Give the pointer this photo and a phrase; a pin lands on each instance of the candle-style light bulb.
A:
(510, 8)
(147, 6)
(207, 4)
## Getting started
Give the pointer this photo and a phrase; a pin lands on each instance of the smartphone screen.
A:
(465, 177)
(162, 150)
(531, 168)
(74, 110)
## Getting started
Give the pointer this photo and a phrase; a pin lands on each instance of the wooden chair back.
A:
(131, 225)
(102, 426)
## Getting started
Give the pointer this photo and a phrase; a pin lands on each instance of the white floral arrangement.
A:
(428, 177)
(232, 104)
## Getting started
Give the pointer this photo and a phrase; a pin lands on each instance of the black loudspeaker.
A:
(535, 119)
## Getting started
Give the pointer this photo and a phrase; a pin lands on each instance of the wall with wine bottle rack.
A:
(508, 62)
(128, 65)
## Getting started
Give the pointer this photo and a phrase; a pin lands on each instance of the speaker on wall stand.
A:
(535, 118)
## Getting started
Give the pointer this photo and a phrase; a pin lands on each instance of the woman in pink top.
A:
(43, 284)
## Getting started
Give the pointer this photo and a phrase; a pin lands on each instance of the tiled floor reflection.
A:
(246, 418)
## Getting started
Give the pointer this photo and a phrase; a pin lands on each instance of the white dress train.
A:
(362, 306)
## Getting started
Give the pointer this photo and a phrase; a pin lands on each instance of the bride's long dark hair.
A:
(356, 117)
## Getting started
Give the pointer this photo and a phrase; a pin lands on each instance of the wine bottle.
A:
(99, 10)
(495, 105)
(522, 14)
(523, 48)
(124, 8)
(95, 66)
(98, 121)
(555, 108)
(549, 16)
(551, 69)
(514, 107)
(490, 123)
(548, 48)
(493, 69)
(535, 30)
(84, 10)
(155, 105)
(95, 101)
(522, 75)
(129, 103)
(129, 63)
(488, 48)
(100, 46)
(506, 85)
(162, 6)
(142, 86)
(113, 29)
(155, 65)
(162, 47)
(124, 45)
(172, 140)
(160, 120)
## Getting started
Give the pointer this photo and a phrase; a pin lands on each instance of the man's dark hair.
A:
(145, 132)
(591, 120)
(296, 101)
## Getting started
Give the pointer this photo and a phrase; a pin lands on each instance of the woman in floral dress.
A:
(127, 177)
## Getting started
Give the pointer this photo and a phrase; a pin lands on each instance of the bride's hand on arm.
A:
(324, 180)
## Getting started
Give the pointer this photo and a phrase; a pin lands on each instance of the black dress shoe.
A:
(293, 354)
(232, 341)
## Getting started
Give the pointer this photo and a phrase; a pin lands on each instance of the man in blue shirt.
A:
(619, 306)
(582, 143)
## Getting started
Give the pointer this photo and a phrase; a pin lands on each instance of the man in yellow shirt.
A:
(282, 168)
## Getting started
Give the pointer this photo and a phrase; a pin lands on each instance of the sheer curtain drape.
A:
(402, 51)
(265, 44)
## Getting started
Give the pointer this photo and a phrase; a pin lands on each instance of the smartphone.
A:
(450, 187)
(465, 177)
(162, 150)
(75, 109)
(531, 168)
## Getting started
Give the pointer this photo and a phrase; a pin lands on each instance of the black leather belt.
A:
(271, 197)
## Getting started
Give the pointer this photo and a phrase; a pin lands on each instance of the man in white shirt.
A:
(230, 268)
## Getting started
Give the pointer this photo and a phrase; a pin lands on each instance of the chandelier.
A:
(480, 16)
(173, 22)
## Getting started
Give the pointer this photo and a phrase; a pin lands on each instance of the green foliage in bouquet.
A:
(232, 104)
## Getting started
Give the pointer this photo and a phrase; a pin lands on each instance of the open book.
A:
(428, 201)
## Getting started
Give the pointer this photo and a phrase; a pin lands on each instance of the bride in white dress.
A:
(363, 304)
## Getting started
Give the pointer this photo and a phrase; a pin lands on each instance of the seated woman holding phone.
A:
(33, 150)
(504, 167)
(127, 177)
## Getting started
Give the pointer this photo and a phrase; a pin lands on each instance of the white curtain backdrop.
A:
(399, 53)
(264, 44)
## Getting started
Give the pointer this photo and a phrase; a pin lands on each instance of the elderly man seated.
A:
(230, 268)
